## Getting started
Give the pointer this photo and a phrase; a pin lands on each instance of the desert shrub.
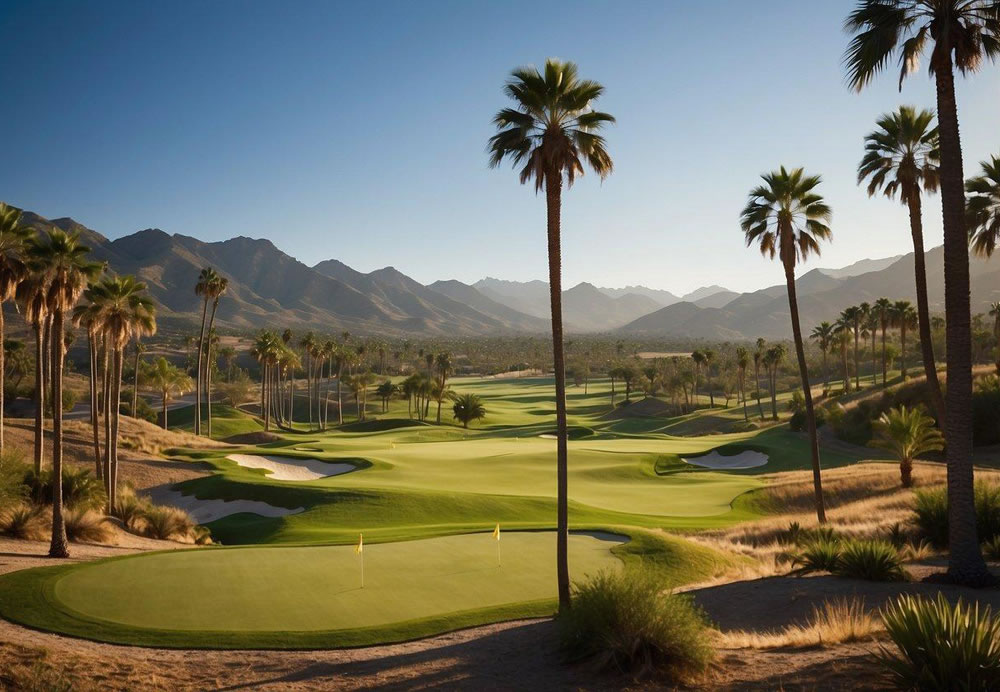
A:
(85, 526)
(871, 560)
(165, 523)
(941, 646)
(622, 620)
(237, 391)
(24, 521)
(131, 509)
(930, 513)
(799, 423)
(80, 488)
(991, 548)
(896, 535)
(143, 410)
(795, 534)
(12, 473)
(69, 399)
(817, 556)
(834, 622)
(202, 535)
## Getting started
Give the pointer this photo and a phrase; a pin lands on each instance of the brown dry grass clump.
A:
(835, 622)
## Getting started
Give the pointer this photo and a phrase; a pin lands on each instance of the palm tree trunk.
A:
(965, 559)
(857, 368)
(94, 415)
(756, 381)
(553, 185)
(201, 348)
(800, 353)
(291, 398)
(826, 374)
(165, 411)
(884, 373)
(263, 397)
(59, 547)
(106, 406)
(115, 424)
(923, 311)
(902, 355)
(340, 402)
(39, 398)
(309, 389)
(774, 392)
(208, 365)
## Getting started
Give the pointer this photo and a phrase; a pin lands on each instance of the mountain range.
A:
(268, 288)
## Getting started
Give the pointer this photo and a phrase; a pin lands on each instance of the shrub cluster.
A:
(930, 513)
(874, 560)
(623, 620)
(940, 646)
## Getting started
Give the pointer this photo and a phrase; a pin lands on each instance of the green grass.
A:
(310, 596)
(226, 421)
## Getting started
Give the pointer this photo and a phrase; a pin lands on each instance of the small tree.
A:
(907, 433)
(468, 408)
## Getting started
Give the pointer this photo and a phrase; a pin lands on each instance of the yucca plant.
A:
(940, 646)
(871, 560)
(931, 513)
(165, 523)
(24, 522)
(622, 620)
(991, 548)
(817, 556)
(86, 526)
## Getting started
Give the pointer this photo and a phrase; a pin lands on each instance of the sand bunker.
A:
(748, 459)
(204, 511)
(289, 469)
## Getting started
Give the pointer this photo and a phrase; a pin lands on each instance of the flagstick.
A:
(362, 570)
(498, 552)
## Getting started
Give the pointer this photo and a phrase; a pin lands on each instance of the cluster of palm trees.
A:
(48, 273)
(210, 287)
(867, 321)
(421, 388)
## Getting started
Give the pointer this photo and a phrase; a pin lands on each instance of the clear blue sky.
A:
(358, 130)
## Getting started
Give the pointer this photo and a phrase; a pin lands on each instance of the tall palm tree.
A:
(89, 317)
(903, 316)
(550, 132)
(207, 278)
(31, 293)
(758, 356)
(842, 339)
(123, 310)
(14, 238)
(881, 309)
(852, 315)
(167, 380)
(62, 261)
(959, 34)
(772, 359)
(743, 362)
(983, 213)
(787, 217)
(216, 289)
(823, 334)
(709, 356)
(902, 156)
(871, 329)
(308, 345)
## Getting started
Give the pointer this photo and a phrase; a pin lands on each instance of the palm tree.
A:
(852, 316)
(743, 362)
(207, 279)
(842, 339)
(995, 314)
(88, 316)
(698, 358)
(14, 239)
(138, 349)
(871, 327)
(902, 156)
(984, 207)
(308, 344)
(786, 216)
(907, 433)
(216, 289)
(468, 408)
(31, 293)
(440, 392)
(881, 310)
(167, 380)
(758, 356)
(709, 356)
(443, 362)
(772, 359)
(123, 309)
(959, 34)
(823, 334)
(62, 261)
(385, 392)
(903, 316)
(549, 132)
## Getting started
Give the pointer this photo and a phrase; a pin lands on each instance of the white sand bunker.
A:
(289, 469)
(748, 459)
(204, 511)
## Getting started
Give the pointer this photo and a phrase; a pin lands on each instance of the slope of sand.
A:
(204, 511)
(289, 469)
(744, 460)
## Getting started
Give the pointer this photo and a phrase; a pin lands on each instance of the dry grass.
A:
(862, 501)
(835, 622)
(87, 527)
(24, 521)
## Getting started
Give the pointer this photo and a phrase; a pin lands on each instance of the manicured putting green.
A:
(303, 589)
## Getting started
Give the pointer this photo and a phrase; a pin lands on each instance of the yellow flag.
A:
(496, 532)
(360, 548)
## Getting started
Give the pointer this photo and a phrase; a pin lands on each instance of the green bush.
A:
(871, 560)
(13, 491)
(624, 621)
(931, 513)
(818, 556)
(81, 489)
(940, 646)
